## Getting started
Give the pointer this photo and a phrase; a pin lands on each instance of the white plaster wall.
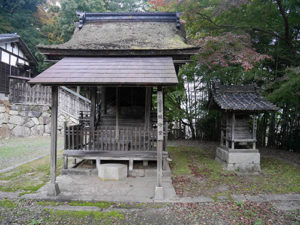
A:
(16, 51)
(5, 57)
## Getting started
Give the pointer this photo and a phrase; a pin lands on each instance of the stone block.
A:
(14, 107)
(36, 121)
(29, 124)
(13, 112)
(18, 120)
(112, 171)
(53, 189)
(36, 114)
(37, 130)
(48, 128)
(2, 109)
(24, 113)
(245, 160)
(46, 120)
(20, 131)
(3, 118)
(5, 131)
(11, 126)
(159, 193)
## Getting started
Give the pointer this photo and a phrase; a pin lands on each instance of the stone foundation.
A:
(22, 120)
(112, 171)
(241, 160)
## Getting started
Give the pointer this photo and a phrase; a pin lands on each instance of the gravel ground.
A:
(29, 212)
(16, 151)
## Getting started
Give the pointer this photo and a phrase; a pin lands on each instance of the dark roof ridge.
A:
(86, 17)
(235, 88)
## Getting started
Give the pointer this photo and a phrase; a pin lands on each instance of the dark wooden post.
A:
(92, 116)
(53, 187)
(159, 194)
(117, 115)
(232, 130)
(254, 131)
(227, 130)
(147, 107)
(103, 103)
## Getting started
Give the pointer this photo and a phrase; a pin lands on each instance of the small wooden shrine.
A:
(125, 60)
(240, 106)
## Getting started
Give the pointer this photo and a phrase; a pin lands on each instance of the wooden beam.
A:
(53, 187)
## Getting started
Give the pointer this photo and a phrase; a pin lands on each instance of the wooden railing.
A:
(69, 101)
(21, 92)
(105, 139)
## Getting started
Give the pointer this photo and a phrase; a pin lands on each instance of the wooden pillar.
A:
(148, 101)
(232, 130)
(53, 187)
(117, 114)
(92, 116)
(227, 131)
(160, 138)
(103, 100)
(254, 131)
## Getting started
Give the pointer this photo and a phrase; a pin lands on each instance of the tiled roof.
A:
(9, 37)
(14, 37)
(240, 98)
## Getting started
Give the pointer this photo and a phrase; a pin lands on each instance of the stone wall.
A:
(22, 120)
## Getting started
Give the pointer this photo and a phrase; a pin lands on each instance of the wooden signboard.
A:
(160, 127)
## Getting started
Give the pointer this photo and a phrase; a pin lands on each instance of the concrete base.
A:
(53, 189)
(241, 160)
(159, 193)
(112, 171)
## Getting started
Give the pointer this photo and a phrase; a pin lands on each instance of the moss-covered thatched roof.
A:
(126, 35)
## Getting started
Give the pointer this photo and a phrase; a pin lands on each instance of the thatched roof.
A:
(126, 35)
(240, 98)
(134, 34)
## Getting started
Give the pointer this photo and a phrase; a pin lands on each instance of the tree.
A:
(245, 41)
(67, 14)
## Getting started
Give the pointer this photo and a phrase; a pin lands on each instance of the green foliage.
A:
(7, 204)
(67, 14)
(125, 6)
(85, 214)
(180, 163)
(245, 42)
(101, 205)
(40, 22)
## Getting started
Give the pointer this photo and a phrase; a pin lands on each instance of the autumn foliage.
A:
(228, 49)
